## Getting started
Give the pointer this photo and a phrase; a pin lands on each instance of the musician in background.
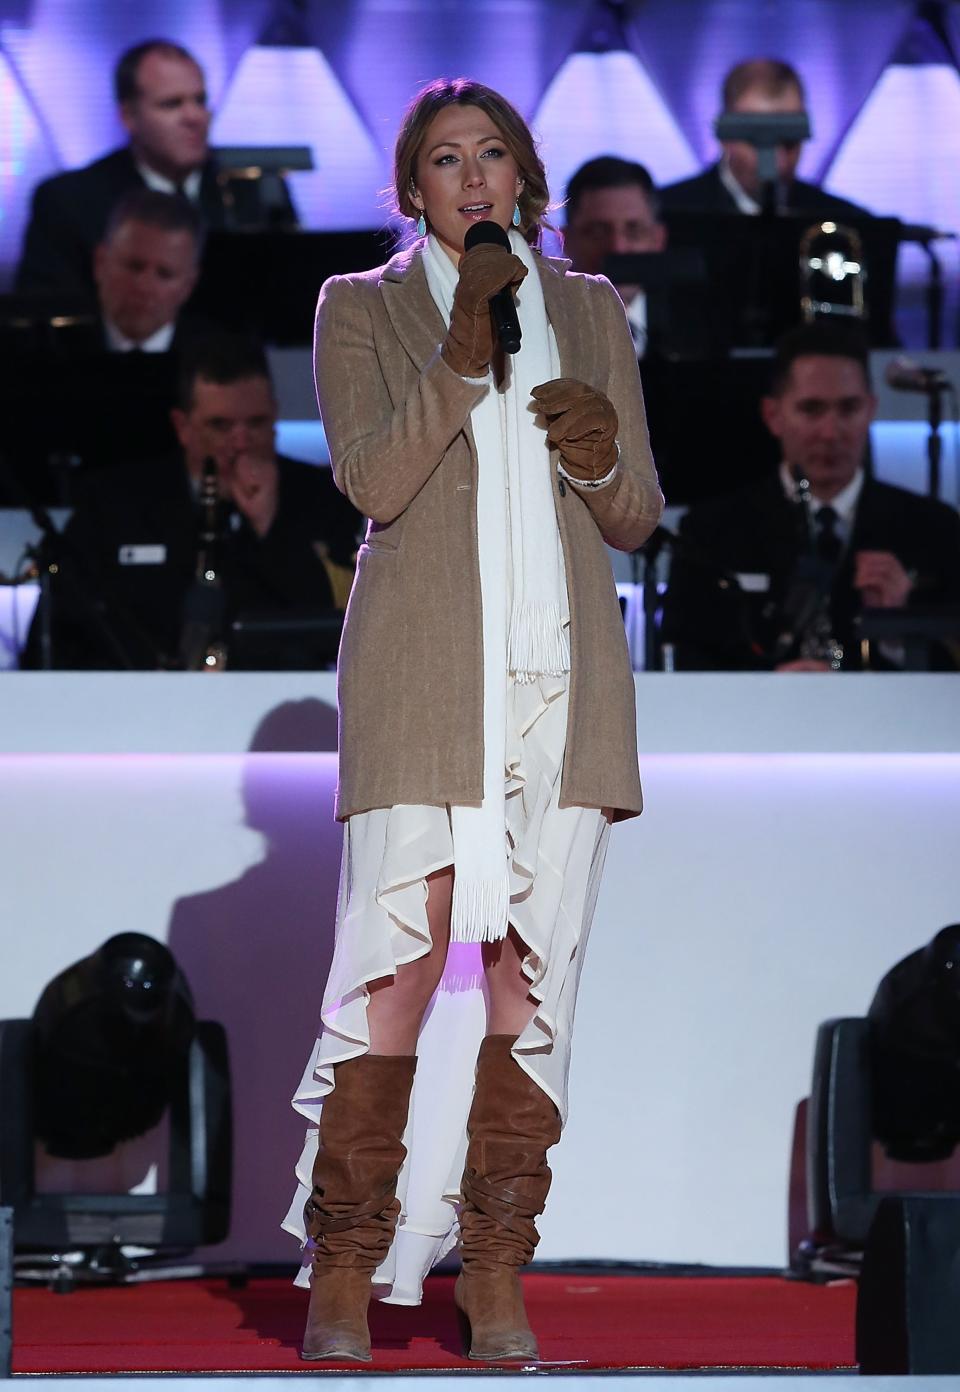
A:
(773, 576)
(162, 100)
(732, 184)
(612, 208)
(145, 270)
(287, 536)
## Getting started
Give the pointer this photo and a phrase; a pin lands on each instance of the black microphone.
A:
(503, 309)
(903, 374)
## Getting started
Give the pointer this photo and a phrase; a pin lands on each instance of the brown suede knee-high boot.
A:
(512, 1123)
(352, 1213)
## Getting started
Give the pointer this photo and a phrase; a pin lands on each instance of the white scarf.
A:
(521, 563)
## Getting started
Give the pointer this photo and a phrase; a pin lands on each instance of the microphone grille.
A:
(485, 231)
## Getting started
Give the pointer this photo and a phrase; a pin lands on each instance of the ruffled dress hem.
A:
(555, 858)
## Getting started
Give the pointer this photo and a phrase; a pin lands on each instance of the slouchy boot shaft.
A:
(351, 1215)
(506, 1178)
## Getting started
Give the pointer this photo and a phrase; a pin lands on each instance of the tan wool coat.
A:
(397, 421)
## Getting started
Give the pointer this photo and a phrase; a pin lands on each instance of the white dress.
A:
(556, 860)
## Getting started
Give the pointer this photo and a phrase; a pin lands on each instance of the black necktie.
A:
(826, 538)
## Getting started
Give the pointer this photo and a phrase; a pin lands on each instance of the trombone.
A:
(832, 272)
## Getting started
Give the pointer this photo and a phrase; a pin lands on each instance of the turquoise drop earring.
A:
(516, 215)
(421, 226)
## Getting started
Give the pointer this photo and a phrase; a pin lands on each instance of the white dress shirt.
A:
(158, 342)
(190, 186)
(844, 504)
(744, 202)
(637, 319)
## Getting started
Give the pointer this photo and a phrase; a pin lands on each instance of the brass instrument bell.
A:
(832, 272)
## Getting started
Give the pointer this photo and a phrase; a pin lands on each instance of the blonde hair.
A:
(534, 198)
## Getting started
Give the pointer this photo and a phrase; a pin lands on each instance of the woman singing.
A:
(487, 729)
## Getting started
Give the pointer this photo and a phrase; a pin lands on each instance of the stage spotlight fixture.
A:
(112, 1048)
(915, 1052)
(111, 1035)
(888, 1084)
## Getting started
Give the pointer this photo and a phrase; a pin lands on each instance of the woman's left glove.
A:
(582, 426)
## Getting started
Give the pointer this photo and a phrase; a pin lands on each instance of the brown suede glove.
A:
(583, 426)
(468, 346)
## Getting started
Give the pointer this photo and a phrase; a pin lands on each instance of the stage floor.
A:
(586, 1323)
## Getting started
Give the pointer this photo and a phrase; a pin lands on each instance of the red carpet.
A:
(593, 1322)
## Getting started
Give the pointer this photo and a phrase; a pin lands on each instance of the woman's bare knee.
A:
(396, 1006)
(397, 1003)
(510, 1007)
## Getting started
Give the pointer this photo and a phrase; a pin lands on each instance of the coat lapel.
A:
(573, 337)
(406, 296)
(419, 327)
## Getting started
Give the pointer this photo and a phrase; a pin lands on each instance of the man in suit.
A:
(284, 546)
(612, 209)
(145, 270)
(100, 387)
(732, 184)
(162, 100)
(774, 575)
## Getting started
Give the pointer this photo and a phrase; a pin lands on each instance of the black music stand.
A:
(753, 270)
(268, 282)
(64, 412)
(255, 193)
(674, 282)
(56, 322)
(922, 633)
(721, 444)
(285, 640)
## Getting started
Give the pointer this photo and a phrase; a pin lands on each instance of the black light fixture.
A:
(915, 1053)
(891, 1079)
(111, 1036)
(604, 29)
(112, 1048)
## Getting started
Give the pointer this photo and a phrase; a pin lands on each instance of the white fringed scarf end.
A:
(480, 910)
(537, 644)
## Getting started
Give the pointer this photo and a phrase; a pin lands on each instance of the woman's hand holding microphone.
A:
(485, 269)
(582, 426)
(582, 421)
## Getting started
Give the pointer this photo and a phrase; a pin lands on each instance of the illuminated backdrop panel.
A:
(629, 78)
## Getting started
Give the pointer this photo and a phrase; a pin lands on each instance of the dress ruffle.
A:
(556, 858)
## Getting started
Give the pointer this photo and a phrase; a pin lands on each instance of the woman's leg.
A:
(511, 1125)
(397, 1003)
(510, 1007)
(352, 1212)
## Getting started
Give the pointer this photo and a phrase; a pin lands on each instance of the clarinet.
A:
(202, 647)
(807, 623)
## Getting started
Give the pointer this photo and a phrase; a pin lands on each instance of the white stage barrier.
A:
(799, 839)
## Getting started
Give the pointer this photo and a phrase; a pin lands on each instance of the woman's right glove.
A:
(485, 269)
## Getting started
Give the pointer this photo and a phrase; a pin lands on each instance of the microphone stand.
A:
(643, 567)
(934, 297)
(643, 564)
(48, 554)
(934, 443)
